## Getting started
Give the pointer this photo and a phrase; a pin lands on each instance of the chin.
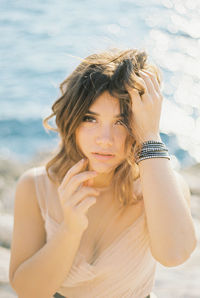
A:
(101, 167)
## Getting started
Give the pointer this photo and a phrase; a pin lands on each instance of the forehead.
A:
(106, 104)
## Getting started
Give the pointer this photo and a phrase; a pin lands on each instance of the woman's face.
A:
(101, 136)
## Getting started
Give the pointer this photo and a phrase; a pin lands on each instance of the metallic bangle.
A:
(148, 147)
(161, 153)
(152, 142)
(151, 149)
(156, 156)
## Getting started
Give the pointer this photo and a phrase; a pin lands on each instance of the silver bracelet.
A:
(151, 149)
(156, 156)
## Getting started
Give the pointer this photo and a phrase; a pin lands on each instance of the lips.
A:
(103, 156)
(103, 153)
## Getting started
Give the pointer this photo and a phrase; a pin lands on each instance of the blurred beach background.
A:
(43, 41)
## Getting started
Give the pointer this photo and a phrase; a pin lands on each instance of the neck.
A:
(102, 180)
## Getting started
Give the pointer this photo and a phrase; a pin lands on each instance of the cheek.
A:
(87, 131)
(120, 138)
(83, 137)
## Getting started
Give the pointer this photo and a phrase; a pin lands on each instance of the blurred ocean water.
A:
(42, 40)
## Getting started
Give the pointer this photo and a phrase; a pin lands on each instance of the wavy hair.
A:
(111, 70)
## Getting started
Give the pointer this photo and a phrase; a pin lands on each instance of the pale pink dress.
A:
(125, 269)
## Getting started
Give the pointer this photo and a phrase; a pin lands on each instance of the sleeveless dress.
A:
(125, 269)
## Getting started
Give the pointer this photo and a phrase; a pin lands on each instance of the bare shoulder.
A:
(28, 176)
(28, 230)
(25, 185)
(26, 181)
(26, 202)
(26, 193)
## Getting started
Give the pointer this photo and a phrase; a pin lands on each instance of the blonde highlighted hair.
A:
(112, 71)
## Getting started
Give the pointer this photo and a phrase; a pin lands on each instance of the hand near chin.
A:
(146, 108)
(77, 196)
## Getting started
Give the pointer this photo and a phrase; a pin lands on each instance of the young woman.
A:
(96, 218)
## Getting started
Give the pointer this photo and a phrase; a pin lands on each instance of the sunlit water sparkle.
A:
(39, 43)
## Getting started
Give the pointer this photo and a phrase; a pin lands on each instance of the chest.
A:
(106, 222)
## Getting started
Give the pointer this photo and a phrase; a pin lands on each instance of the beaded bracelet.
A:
(153, 144)
(151, 149)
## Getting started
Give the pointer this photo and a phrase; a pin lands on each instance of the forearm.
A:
(42, 274)
(169, 221)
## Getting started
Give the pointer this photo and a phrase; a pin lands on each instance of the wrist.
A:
(150, 137)
(151, 149)
(68, 229)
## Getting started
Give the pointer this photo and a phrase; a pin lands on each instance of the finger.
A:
(139, 85)
(73, 171)
(82, 194)
(154, 80)
(76, 181)
(147, 80)
(86, 204)
(135, 96)
(89, 182)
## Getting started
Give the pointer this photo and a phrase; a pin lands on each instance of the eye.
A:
(88, 119)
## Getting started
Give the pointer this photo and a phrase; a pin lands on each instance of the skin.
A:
(166, 199)
(103, 133)
(147, 108)
(75, 196)
(166, 194)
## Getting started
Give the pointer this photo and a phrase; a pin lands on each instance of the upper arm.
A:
(185, 188)
(28, 231)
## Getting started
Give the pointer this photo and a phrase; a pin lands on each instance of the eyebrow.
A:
(116, 116)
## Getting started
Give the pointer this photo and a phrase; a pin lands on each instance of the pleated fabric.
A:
(125, 269)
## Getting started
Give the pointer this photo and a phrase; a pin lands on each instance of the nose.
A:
(104, 137)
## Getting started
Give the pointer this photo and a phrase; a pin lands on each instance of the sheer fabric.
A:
(125, 268)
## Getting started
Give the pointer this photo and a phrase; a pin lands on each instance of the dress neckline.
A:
(110, 246)
(115, 241)
(118, 239)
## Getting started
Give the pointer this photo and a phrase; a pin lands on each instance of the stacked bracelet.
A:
(151, 149)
